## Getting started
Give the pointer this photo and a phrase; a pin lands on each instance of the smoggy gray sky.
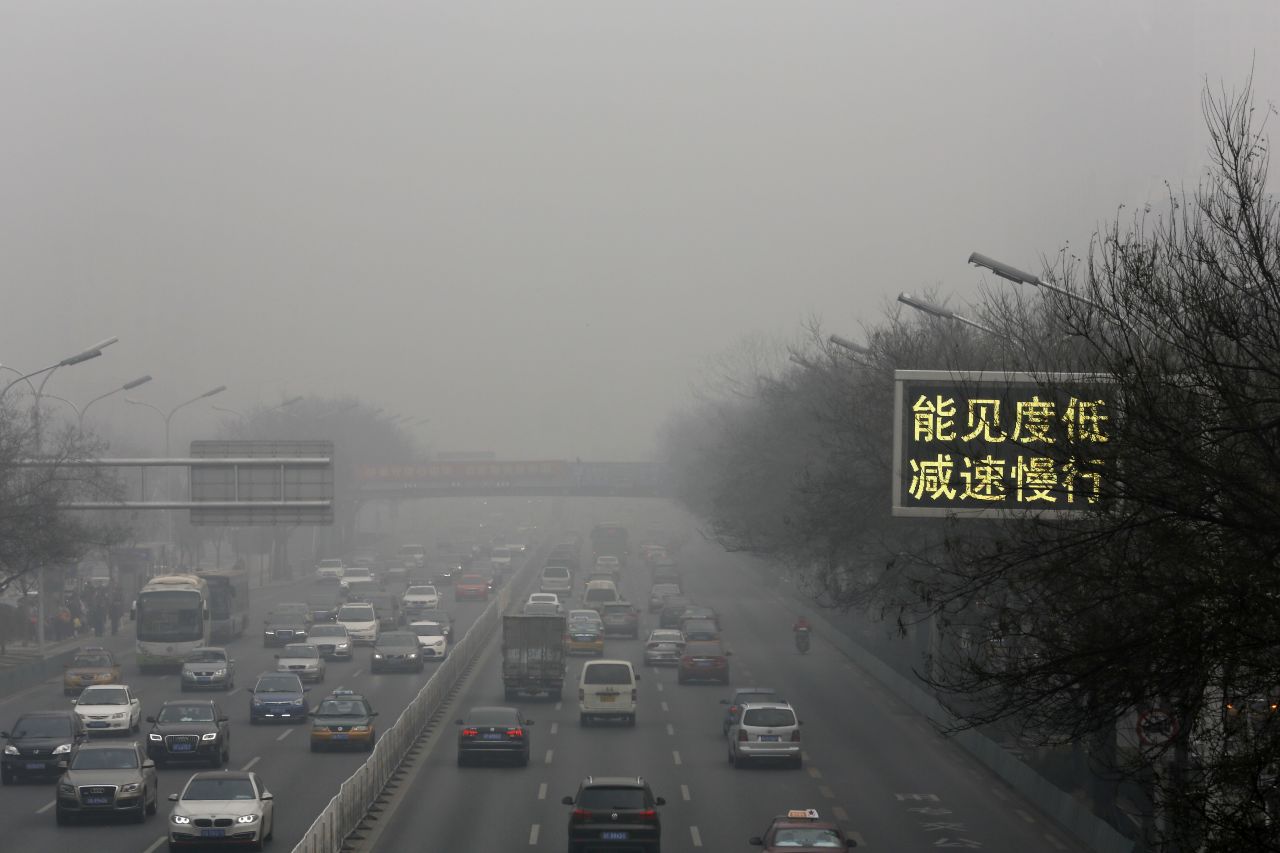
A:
(533, 222)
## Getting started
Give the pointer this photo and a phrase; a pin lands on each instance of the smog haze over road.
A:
(534, 223)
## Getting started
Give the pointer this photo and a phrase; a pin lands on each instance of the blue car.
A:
(278, 697)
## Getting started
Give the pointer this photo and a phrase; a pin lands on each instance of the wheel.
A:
(216, 761)
(729, 756)
(315, 747)
(511, 694)
(61, 817)
(797, 762)
(271, 833)
(320, 680)
(141, 815)
(185, 688)
(5, 778)
(256, 846)
(631, 720)
(253, 721)
(174, 848)
(462, 760)
(582, 720)
(680, 679)
(372, 742)
(136, 727)
(524, 760)
(155, 804)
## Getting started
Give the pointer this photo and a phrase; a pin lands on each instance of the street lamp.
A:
(235, 412)
(1016, 275)
(939, 311)
(846, 344)
(128, 386)
(84, 355)
(291, 401)
(64, 400)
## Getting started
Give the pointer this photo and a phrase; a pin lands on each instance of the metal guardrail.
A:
(356, 796)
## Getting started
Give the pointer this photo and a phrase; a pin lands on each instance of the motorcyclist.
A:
(802, 624)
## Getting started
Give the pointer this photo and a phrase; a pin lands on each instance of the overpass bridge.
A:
(516, 478)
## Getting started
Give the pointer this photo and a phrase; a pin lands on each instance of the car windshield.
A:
(356, 614)
(92, 660)
(806, 838)
(427, 629)
(327, 631)
(755, 696)
(357, 573)
(611, 798)
(398, 638)
(321, 601)
(555, 572)
(291, 609)
(420, 590)
(105, 759)
(769, 718)
(42, 727)
(470, 579)
(330, 564)
(206, 656)
(104, 696)
(194, 713)
(214, 788)
(492, 717)
(340, 708)
(283, 684)
(601, 594)
(617, 609)
(607, 673)
(300, 650)
(540, 608)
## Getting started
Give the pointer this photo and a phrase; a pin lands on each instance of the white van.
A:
(556, 579)
(607, 689)
(599, 593)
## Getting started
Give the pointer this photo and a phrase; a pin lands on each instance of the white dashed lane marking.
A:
(684, 793)
(671, 730)
(675, 753)
(826, 792)
(815, 773)
(533, 834)
(696, 836)
(857, 837)
(839, 812)
(547, 760)
(1020, 813)
(1054, 841)
(664, 706)
(252, 761)
(46, 807)
(542, 791)
(155, 845)
(285, 734)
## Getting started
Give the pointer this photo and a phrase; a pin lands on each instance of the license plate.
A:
(181, 747)
(607, 697)
(491, 736)
(769, 738)
(97, 724)
(204, 678)
(35, 765)
(212, 833)
(97, 801)
(613, 835)
(702, 663)
(338, 736)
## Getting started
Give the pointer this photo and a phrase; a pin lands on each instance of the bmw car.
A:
(221, 807)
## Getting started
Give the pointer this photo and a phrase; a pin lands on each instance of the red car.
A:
(471, 586)
(704, 661)
(801, 831)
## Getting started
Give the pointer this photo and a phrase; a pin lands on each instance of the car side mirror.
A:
(755, 841)
(5, 734)
(660, 801)
(224, 719)
(728, 653)
(373, 713)
(724, 701)
(277, 657)
(173, 798)
(568, 801)
(267, 795)
(231, 662)
(148, 764)
(151, 719)
(306, 690)
(850, 843)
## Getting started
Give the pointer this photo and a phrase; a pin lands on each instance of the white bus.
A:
(172, 617)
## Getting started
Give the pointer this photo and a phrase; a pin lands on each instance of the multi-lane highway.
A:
(870, 762)
(302, 782)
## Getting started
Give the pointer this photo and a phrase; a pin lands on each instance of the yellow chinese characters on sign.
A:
(992, 442)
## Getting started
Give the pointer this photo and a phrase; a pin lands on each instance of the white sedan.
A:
(303, 660)
(432, 639)
(234, 800)
(109, 708)
(420, 598)
(545, 598)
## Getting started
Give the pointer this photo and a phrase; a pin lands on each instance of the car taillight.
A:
(520, 733)
(742, 735)
(470, 732)
(581, 814)
(733, 709)
(795, 736)
(648, 814)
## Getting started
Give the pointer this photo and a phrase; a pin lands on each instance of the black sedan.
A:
(397, 650)
(188, 730)
(494, 732)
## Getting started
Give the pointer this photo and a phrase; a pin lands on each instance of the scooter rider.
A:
(802, 624)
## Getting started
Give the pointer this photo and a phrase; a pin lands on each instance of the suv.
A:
(621, 618)
(765, 731)
(189, 730)
(614, 813)
(105, 780)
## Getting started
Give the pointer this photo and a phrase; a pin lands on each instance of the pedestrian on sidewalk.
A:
(98, 618)
(64, 623)
(115, 610)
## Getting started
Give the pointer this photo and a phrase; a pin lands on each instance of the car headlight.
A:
(359, 728)
(155, 738)
(13, 750)
(219, 672)
(377, 656)
(247, 818)
(342, 646)
(209, 736)
(117, 716)
(66, 788)
(299, 701)
(257, 702)
(181, 819)
(130, 788)
(413, 655)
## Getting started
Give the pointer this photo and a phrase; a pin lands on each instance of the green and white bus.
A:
(172, 617)
(228, 603)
